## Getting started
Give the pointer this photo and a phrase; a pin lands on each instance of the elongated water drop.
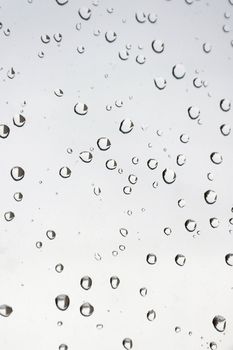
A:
(62, 302)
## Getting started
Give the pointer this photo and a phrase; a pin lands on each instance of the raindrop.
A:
(194, 112)
(86, 309)
(65, 172)
(127, 343)
(41, 54)
(4, 131)
(110, 36)
(5, 310)
(160, 83)
(167, 231)
(140, 17)
(11, 73)
(190, 225)
(85, 13)
(181, 159)
(63, 347)
(99, 326)
(151, 315)
(207, 47)
(57, 37)
(229, 259)
(38, 244)
(127, 190)
(103, 143)
(180, 259)
(213, 346)
(225, 105)
(19, 120)
(152, 17)
(59, 268)
(216, 158)
(97, 190)
(50, 234)
(114, 281)
(169, 176)
(152, 163)
(157, 46)
(225, 129)
(151, 259)
(197, 82)
(135, 160)
(177, 329)
(78, 26)
(62, 302)
(181, 203)
(45, 39)
(219, 323)
(140, 59)
(86, 156)
(133, 179)
(81, 108)
(18, 196)
(143, 291)
(123, 232)
(7, 32)
(126, 126)
(58, 92)
(123, 55)
(178, 71)
(17, 173)
(214, 222)
(210, 197)
(86, 282)
(62, 2)
(118, 103)
(111, 164)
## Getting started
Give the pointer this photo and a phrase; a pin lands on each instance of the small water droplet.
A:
(127, 343)
(180, 259)
(63, 347)
(229, 259)
(59, 268)
(143, 291)
(152, 17)
(110, 36)
(45, 38)
(214, 222)
(178, 71)
(84, 13)
(194, 112)
(225, 129)
(38, 244)
(210, 196)
(62, 302)
(184, 138)
(50, 234)
(225, 105)
(103, 143)
(86, 282)
(86, 309)
(140, 59)
(160, 83)
(167, 231)
(213, 345)
(169, 176)
(11, 73)
(216, 158)
(127, 190)
(17, 173)
(207, 47)
(157, 46)
(65, 172)
(190, 225)
(133, 179)
(62, 2)
(151, 259)
(111, 164)
(5, 310)
(151, 315)
(4, 131)
(58, 92)
(140, 17)
(181, 159)
(86, 156)
(114, 281)
(152, 163)
(219, 323)
(81, 108)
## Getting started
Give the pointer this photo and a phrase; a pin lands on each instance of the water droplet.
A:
(216, 158)
(81, 49)
(127, 343)
(86, 282)
(210, 197)
(140, 59)
(123, 55)
(59, 268)
(50, 234)
(5, 310)
(197, 82)
(169, 176)
(18, 196)
(114, 281)
(160, 83)
(143, 291)
(133, 179)
(38, 244)
(103, 143)
(111, 164)
(69, 150)
(85, 13)
(110, 36)
(127, 190)
(135, 160)
(178, 71)
(19, 120)
(151, 315)
(45, 38)
(41, 54)
(213, 346)
(17, 173)
(86, 156)
(97, 190)
(181, 203)
(167, 231)
(219, 323)
(226, 28)
(152, 17)
(62, 302)
(155, 184)
(214, 222)
(62, 2)
(11, 73)
(57, 37)
(229, 259)
(58, 92)
(99, 326)
(7, 32)
(151, 259)
(180, 259)
(4, 131)
(225, 129)
(181, 159)
(152, 163)
(86, 309)
(123, 232)
(184, 138)
(65, 172)
(81, 108)
(190, 225)
(157, 46)
(177, 329)
(207, 47)
(63, 347)
(140, 17)
(225, 105)
(194, 112)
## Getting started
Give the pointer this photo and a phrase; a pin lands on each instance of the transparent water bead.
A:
(62, 302)
(5, 310)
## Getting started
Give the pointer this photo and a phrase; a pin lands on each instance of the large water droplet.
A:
(114, 281)
(5, 310)
(111, 164)
(194, 112)
(152, 163)
(140, 16)
(86, 309)
(157, 46)
(4, 131)
(103, 143)
(216, 158)
(65, 172)
(17, 173)
(178, 71)
(219, 323)
(229, 259)
(110, 36)
(168, 176)
(86, 282)
(45, 38)
(160, 83)
(86, 156)
(127, 343)
(225, 105)
(62, 302)
(210, 196)
(85, 13)
(50, 234)
(225, 129)
(190, 225)
(81, 108)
